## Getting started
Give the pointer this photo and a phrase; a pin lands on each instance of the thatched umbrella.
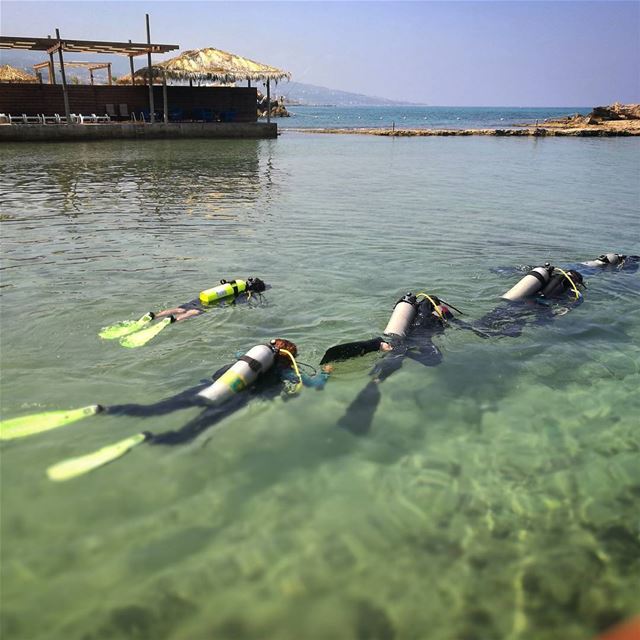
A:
(215, 65)
(11, 74)
(211, 64)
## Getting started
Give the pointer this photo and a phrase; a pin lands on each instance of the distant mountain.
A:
(309, 94)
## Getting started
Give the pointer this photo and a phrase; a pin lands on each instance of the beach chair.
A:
(104, 118)
(111, 110)
(30, 119)
(49, 119)
(4, 118)
(124, 110)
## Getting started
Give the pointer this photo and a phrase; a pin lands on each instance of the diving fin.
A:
(140, 338)
(39, 422)
(125, 327)
(74, 467)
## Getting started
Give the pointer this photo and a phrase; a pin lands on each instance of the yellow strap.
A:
(571, 282)
(295, 368)
(435, 306)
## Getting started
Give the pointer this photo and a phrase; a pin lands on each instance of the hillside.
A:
(309, 94)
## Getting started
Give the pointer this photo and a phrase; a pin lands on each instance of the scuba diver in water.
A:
(531, 301)
(415, 320)
(534, 298)
(265, 371)
(135, 333)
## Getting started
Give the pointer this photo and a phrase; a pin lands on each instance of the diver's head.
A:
(576, 276)
(287, 345)
(611, 258)
(255, 284)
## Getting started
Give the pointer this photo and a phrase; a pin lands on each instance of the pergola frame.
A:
(90, 66)
(57, 44)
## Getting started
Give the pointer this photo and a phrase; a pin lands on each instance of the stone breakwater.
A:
(555, 131)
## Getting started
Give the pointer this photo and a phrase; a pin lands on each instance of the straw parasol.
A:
(215, 65)
(11, 74)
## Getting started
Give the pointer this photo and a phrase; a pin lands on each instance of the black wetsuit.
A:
(269, 384)
(417, 346)
(510, 318)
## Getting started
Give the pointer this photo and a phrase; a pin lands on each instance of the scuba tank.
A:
(606, 260)
(241, 374)
(404, 313)
(535, 280)
(559, 283)
(231, 288)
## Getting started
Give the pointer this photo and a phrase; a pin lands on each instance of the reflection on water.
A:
(495, 495)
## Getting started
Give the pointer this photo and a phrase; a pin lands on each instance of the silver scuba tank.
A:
(535, 280)
(605, 260)
(241, 375)
(404, 313)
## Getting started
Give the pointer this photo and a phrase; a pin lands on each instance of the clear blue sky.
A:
(529, 53)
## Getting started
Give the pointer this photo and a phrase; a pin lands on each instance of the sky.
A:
(455, 53)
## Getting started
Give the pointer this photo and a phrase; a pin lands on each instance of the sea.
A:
(494, 495)
(418, 117)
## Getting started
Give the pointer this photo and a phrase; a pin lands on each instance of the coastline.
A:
(550, 129)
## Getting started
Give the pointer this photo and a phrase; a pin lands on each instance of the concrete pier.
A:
(135, 131)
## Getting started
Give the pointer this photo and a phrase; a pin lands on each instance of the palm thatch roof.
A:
(211, 64)
(11, 74)
(139, 77)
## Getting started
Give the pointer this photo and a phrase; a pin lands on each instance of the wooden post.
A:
(109, 74)
(249, 83)
(164, 97)
(151, 107)
(91, 76)
(268, 101)
(191, 82)
(133, 82)
(65, 95)
(52, 73)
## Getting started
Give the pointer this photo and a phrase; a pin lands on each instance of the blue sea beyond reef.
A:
(413, 117)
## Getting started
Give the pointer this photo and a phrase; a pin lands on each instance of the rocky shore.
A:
(615, 120)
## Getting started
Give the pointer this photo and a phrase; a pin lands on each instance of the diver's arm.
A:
(351, 350)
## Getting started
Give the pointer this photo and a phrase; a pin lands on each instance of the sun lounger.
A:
(25, 119)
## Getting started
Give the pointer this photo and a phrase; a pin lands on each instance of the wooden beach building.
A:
(32, 110)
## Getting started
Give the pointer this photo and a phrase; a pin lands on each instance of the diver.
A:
(617, 261)
(415, 320)
(135, 333)
(265, 371)
(532, 300)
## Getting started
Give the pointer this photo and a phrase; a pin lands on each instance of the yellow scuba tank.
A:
(223, 290)
(535, 280)
(241, 375)
(404, 313)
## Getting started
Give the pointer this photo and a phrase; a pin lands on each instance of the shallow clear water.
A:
(412, 117)
(496, 494)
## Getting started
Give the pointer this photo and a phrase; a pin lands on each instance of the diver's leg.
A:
(428, 354)
(503, 321)
(209, 417)
(359, 414)
(181, 400)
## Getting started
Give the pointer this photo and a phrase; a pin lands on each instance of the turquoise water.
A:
(496, 494)
(413, 117)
